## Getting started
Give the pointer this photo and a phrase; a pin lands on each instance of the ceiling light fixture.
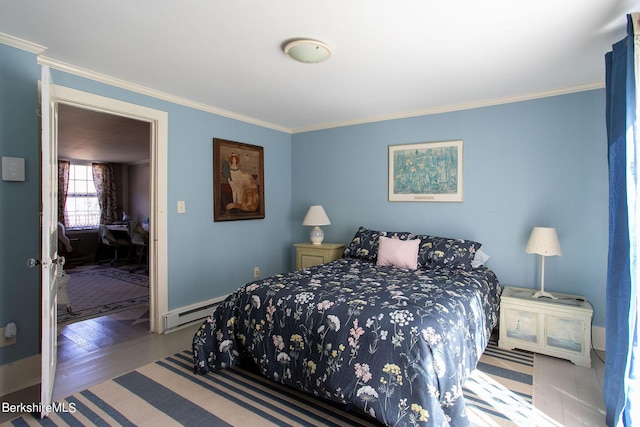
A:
(307, 51)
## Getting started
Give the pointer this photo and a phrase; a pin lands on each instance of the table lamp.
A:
(316, 216)
(543, 241)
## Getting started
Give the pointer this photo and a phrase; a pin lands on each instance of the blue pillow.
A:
(364, 244)
(446, 252)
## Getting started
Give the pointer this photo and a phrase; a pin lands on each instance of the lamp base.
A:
(316, 235)
(543, 294)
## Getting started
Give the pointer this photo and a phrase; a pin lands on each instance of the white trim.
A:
(598, 338)
(158, 247)
(72, 69)
(197, 305)
(20, 374)
(190, 314)
(456, 107)
(21, 44)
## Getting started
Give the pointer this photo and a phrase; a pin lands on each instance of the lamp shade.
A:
(544, 241)
(316, 216)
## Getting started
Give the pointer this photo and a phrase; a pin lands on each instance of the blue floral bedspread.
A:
(398, 344)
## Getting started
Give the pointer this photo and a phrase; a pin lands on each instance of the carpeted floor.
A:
(499, 393)
(100, 290)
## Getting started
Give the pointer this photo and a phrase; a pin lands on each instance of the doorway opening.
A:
(107, 276)
(95, 128)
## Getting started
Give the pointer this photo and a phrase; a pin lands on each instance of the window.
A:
(81, 209)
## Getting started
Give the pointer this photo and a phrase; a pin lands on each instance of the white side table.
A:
(560, 328)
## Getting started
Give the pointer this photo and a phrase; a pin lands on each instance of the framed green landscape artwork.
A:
(426, 172)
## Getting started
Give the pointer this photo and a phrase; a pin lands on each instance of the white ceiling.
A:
(390, 58)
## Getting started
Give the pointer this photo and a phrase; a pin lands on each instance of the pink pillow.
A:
(399, 253)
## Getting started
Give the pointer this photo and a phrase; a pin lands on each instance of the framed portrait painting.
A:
(238, 181)
(426, 172)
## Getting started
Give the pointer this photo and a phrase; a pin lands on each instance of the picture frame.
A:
(426, 172)
(238, 181)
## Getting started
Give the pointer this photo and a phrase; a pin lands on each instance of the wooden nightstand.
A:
(560, 328)
(308, 254)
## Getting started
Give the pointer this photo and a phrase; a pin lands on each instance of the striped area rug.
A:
(499, 392)
(167, 393)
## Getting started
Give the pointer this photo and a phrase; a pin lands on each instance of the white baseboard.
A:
(189, 315)
(21, 374)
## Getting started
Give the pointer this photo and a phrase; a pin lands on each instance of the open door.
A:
(49, 241)
(158, 247)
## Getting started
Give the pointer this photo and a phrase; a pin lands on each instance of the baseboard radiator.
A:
(190, 314)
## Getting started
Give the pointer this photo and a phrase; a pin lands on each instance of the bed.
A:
(393, 328)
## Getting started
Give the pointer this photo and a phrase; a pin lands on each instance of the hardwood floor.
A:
(96, 350)
(79, 339)
(569, 394)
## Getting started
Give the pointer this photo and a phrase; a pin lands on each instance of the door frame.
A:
(158, 247)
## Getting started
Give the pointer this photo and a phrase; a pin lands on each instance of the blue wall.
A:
(540, 162)
(206, 259)
(535, 163)
(20, 202)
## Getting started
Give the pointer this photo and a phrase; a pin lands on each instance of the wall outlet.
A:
(256, 272)
(5, 342)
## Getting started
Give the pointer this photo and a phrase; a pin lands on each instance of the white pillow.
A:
(398, 253)
(480, 258)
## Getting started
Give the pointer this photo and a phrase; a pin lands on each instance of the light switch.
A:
(12, 169)
(182, 208)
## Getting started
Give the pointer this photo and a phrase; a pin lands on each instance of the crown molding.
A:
(71, 69)
(455, 107)
(112, 81)
(21, 44)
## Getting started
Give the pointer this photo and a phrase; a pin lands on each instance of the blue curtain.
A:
(620, 391)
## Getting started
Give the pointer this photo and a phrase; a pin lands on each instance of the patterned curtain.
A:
(104, 180)
(63, 187)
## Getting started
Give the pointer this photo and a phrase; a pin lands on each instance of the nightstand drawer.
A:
(521, 325)
(566, 334)
(308, 260)
(308, 254)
